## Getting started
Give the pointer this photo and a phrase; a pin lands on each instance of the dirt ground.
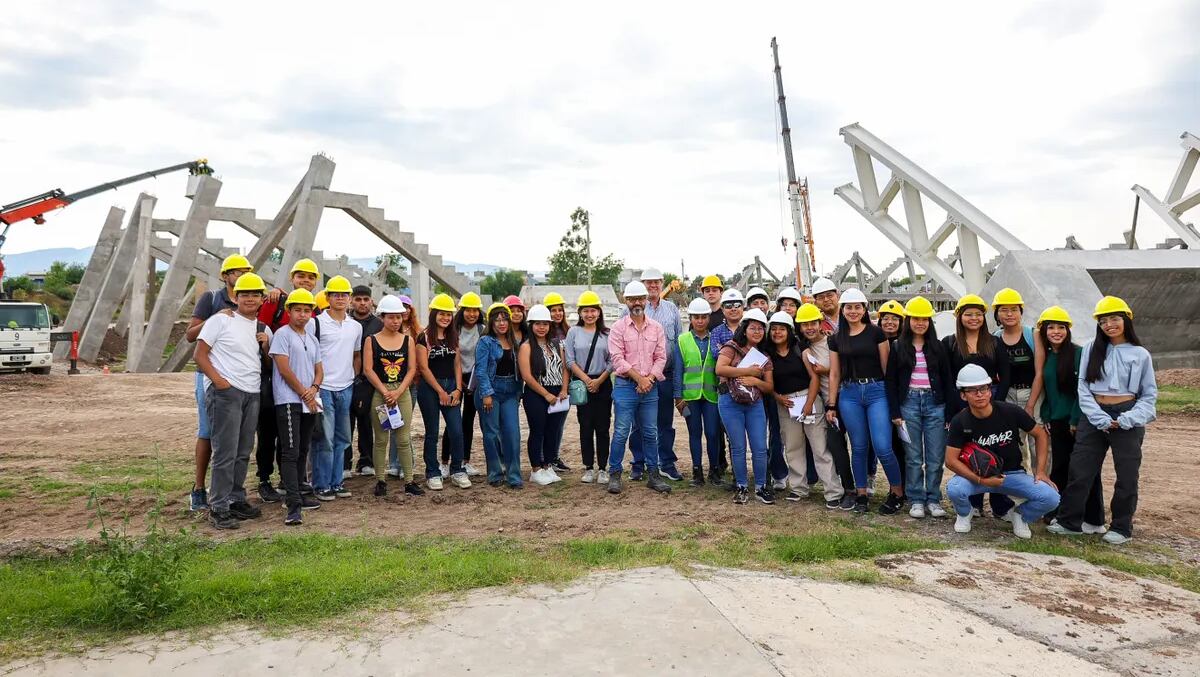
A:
(62, 436)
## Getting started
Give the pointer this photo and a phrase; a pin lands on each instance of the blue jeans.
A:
(666, 429)
(776, 463)
(864, 411)
(335, 424)
(431, 409)
(545, 429)
(742, 421)
(925, 456)
(703, 422)
(1040, 497)
(204, 432)
(632, 407)
(501, 429)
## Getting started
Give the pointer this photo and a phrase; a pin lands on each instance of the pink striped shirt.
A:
(920, 373)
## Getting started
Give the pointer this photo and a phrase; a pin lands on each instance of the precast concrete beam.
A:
(93, 278)
(115, 286)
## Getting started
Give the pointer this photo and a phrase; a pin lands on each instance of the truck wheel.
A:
(44, 371)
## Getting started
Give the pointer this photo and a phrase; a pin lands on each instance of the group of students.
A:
(1018, 414)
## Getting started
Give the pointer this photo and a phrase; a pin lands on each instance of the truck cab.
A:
(24, 337)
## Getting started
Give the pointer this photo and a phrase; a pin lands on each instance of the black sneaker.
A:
(327, 495)
(294, 516)
(765, 495)
(495, 483)
(414, 489)
(833, 504)
(223, 519)
(309, 503)
(891, 505)
(715, 477)
(861, 504)
(306, 489)
(341, 491)
(244, 511)
(847, 502)
(697, 477)
(740, 495)
(794, 496)
(381, 488)
(635, 475)
(268, 494)
(670, 473)
(560, 466)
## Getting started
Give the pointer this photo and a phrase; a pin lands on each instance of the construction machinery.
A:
(806, 261)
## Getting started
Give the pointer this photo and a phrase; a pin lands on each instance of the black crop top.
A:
(859, 354)
(391, 366)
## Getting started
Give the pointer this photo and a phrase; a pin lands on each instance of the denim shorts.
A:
(203, 432)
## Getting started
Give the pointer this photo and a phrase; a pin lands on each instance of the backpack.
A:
(981, 461)
(737, 392)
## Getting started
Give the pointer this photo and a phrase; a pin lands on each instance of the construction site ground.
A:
(128, 438)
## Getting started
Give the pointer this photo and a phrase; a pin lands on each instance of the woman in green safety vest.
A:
(696, 389)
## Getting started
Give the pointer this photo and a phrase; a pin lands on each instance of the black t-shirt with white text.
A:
(998, 433)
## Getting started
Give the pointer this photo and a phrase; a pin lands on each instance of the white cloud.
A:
(481, 126)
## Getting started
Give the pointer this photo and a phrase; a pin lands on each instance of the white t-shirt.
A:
(234, 351)
(339, 342)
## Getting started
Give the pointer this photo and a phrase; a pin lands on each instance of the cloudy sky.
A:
(481, 126)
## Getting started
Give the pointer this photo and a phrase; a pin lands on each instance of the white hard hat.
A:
(822, 285)
(651, 274)
(635, 288)
(390, 304)
(781, 317)
(539, 313)
(789, 293)
(972, 375)
(757, 291)
(853, 295)
(732, 295)
(699, 307)
(755, 314)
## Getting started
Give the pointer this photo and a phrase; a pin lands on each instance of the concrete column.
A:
(114, 288)
(93, 278)
(166, 308)
(308, 212)
(135, 306)
(421, 286)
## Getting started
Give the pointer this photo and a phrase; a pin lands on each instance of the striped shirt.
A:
(920, 373)
(554, 365)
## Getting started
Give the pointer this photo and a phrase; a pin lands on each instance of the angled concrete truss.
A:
(123, 262)
(912, 183)
(1171, 208)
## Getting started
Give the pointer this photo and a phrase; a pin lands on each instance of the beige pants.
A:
(402, 436)
(797, 437)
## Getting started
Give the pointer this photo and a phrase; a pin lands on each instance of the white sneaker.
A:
(602, 477)
(540, 478)
(976, 512)
(471, 470)
(962, 524)
(393, 472)
(434, 483)
(1093, 528)
(589, 476)
(552, 475)
(367, 471)
(445, 470)
(459, 479)
(935, 509)
(917, 510)
(1113, 538)
(1020, 528)
(1056, 528)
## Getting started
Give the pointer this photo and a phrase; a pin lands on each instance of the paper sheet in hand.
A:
(753, 358)
(904, 436)
(389, 419)
(559, 405)
(799, 401)
(473, 382)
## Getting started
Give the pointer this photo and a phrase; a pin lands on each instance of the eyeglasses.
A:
(1110, 319)
(977, 390)
(732, 304)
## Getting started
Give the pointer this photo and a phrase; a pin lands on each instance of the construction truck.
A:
(25, 337)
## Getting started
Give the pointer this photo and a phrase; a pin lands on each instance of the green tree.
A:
(15, 284)
(668, 278)
(570, 264)
(502, 283)
(61, 276)
(396, 270)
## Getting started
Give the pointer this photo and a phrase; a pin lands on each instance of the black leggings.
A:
(1091, 446)
(595, 420)
(1062, 445)
(468, 425)
(267, 454)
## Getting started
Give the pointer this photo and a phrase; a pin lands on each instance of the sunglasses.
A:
(732, 304)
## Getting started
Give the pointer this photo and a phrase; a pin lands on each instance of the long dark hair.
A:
(739, 336)
(985, 345)
(537, 356)
(490, 327)
(450, 340)
(794, 342)
(906, 352)
(1064, 376)
(460, 319)
(1100, 347)
(599, 320)
(844, 326)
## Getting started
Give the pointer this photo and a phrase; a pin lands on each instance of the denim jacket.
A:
(487, 353)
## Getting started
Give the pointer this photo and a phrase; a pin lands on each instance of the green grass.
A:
(1104, 555)
(7, 493)
(860, 544)
(109, 479)
(1178, 400)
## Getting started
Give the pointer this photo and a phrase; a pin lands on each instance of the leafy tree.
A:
(502, 283)
(668, 278)
(570, 264)
(15, 284)
(61, 276)
(397, 268)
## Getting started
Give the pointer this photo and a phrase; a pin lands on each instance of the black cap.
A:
(362, 290)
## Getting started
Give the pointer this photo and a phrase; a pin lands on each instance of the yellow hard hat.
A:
(712, 281)
(249, 282)
(302, 296)
(305, 266)
(470, 300)
(1111, 304)
(553, 299)
(808, 313)
(442, 302)
(322, 301)
(338, 285)
(498, 306)
(1056, 314)
(588, 298)
(918, 306)
(970, 300)
(234, 262)
(894, 308)
(1007, 297)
